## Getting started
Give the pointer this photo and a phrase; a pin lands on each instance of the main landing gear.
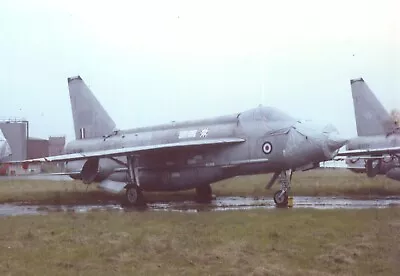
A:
(133, 193)
(281, 197)
(204, 193)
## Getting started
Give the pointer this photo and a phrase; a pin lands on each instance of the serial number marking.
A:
(187, 134)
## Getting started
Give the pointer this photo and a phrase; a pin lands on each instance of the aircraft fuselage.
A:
(179, 169)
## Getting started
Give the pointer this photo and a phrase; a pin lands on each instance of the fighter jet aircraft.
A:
(376, 150)
(190, 154)
(5, 149)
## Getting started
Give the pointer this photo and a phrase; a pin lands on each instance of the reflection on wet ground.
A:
(219, 204)
(50, 177)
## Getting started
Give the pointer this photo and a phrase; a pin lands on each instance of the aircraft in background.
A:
(190, 154)
(5, 149)
(376, 150)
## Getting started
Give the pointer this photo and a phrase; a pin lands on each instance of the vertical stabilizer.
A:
(371, 117)
(5, 149)
(90, 118)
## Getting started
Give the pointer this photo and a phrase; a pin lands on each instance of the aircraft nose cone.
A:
(310, 143)
(335, 141)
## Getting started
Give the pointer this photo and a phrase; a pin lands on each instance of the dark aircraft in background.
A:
(376, 149)
(190, 154)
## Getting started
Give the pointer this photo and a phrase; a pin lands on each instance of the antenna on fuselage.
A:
(262, 80)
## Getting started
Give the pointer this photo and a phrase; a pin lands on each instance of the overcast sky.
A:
(151, 62)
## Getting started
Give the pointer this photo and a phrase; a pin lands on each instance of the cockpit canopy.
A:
(265, 114)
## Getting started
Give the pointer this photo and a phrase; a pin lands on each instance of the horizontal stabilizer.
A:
(62, 173)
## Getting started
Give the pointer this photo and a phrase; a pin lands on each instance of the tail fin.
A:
(371, 117)
(5, 149)
(90, 118)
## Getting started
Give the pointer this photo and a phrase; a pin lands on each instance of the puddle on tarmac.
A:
(219, 204)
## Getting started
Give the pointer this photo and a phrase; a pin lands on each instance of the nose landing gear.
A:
(281, 197)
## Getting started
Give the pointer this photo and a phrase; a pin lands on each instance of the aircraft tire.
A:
(133, 196)
(281, 201)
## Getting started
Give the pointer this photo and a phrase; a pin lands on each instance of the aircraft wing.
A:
(355, 157)
(132, 150)
(362, 153)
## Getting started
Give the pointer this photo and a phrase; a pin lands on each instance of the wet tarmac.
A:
(219, 204)
(36, 177)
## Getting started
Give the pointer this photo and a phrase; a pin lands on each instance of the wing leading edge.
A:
(132, 150)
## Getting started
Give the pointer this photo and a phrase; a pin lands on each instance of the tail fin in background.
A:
(5, 149)
(371, 117)
(90, 118)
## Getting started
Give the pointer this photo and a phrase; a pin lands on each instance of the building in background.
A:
(56, 145)
(16, 131)
(37, 147)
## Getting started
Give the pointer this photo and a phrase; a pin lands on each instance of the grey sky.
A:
(151, 62)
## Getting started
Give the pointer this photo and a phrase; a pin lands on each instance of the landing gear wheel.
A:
(133, 196)
(281, 200)
(204, 193)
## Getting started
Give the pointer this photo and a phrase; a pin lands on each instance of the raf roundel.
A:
(267, 147)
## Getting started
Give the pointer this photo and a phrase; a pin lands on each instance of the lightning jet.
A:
(5, 149)
(376, 149)
(189, 154)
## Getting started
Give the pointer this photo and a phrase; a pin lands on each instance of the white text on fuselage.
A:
(184, 134)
